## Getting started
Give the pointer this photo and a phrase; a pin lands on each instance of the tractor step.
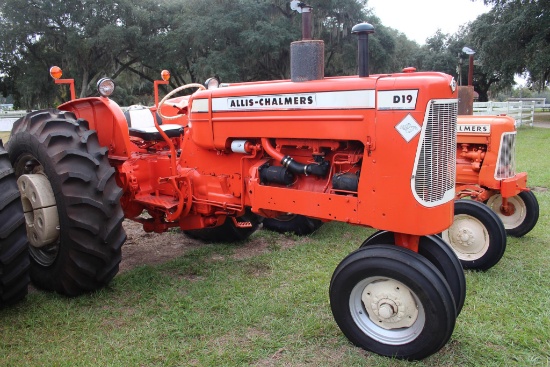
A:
(241, 224)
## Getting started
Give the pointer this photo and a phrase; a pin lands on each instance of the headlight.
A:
(453, 85)
(56, 72)
(212, 83)
(165, 75)
(105, 87)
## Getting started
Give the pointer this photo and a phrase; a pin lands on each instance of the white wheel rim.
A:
(43, 248)
(386, 310)
(468, 237)
(40, 209)
(515, 219)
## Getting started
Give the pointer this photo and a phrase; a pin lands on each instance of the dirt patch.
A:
(143, 248)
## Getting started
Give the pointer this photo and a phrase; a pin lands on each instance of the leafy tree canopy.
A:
(514, 38)
(131, 41)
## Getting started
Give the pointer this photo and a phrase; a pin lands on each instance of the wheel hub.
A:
(389, 304)
(468, 237)
(508, 209)
(41, 218)
(465, 237)
(512, 214)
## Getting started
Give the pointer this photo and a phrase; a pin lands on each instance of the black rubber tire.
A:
(524, 219)
(439, 253)
(300, 225)
(14, 255)
(379, 264)
(477, 217)
(87, 253)
(228, 231)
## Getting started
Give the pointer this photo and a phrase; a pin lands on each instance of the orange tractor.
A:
(486, 173)
(369, 150)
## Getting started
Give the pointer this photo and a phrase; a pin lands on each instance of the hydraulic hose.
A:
(317, 169)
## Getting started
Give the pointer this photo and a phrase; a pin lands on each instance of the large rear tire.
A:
(228, 231)
(392, 302)
(300, 225)
(58, 160)
(14, 256)
(439, 253)
(477, 235)
(524, 216)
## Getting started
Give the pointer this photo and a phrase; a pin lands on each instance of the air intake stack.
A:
(363, 30)
(307, 57)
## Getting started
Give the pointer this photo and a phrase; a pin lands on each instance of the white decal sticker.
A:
(275, 102)
(474, 128)
(322, 100)
(408, 128)
(199, 105)
(397, 99)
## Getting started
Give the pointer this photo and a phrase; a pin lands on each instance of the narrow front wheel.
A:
(477, 235)
(440, 254)
(523, 213)
(392, 302)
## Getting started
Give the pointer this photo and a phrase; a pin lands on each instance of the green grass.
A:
(207, 308)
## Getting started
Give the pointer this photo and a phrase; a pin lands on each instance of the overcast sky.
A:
(420, 19)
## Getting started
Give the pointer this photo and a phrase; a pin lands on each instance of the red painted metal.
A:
(156, 84)
(71, 86)
(197, 181)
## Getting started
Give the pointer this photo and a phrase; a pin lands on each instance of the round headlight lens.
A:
(105, 87)
(212, 83)
(56, 72)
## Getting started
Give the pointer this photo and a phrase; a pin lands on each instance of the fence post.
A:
(520, 113)
(532, 114)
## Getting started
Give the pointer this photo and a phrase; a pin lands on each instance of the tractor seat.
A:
(141, 124)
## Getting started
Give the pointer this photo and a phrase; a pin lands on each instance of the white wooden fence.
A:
(12, 114)
(523, 112)
(7, 118)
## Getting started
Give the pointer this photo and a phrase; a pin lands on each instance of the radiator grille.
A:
(435, 170)
(506, 166)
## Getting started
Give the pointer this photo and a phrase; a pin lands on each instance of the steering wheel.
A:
(178, 89)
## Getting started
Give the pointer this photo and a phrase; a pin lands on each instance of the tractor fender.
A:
(105, 117)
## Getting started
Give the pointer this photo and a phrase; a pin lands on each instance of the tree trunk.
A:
(84, 87)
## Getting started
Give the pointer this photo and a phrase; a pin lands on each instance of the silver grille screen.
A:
(435, 170)
(506, 166)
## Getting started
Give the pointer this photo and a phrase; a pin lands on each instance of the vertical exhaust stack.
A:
(363, 30)
(307, 57)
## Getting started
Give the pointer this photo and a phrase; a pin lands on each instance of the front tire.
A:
(477, 235)
(392, 302)
(525, 212)
(14, 255)
(300, 225)
(59, 160)
(440, 254)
